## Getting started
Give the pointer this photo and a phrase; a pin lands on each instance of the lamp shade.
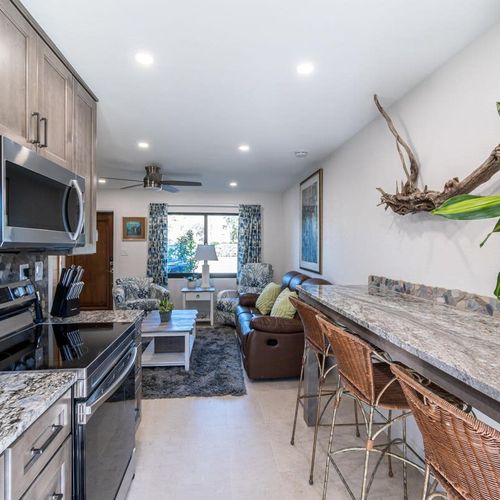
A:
(206, 252)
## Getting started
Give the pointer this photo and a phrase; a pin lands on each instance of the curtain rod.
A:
(203, 205)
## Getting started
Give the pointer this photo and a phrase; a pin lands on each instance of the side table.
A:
(200, 295)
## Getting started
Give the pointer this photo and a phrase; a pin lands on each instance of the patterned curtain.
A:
(249, 235)
(158, 243)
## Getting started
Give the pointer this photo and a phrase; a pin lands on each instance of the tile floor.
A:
(239, 448)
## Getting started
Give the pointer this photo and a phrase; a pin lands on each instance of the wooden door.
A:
(17, 75)
(98, 267)
(84, 137)
(55, 102)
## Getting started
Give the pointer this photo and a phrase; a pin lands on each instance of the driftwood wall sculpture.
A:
(409, 199)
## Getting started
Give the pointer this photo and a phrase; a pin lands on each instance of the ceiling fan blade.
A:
(132, 186)
(118, 179)
(181, 183)
(170, 189)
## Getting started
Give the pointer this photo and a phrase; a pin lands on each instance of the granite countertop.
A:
(25, 396)
(117, 316)
(464, 344)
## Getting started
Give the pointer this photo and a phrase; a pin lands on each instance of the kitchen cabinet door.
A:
(55, 103)
(18, 67)
(84, 139)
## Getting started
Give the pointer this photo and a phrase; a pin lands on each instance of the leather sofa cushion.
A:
(244, 309)
(248, 299)
(276, 325)
(297, 280)
(285, 281)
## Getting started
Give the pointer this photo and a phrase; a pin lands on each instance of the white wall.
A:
(451, 122)
(130, 257)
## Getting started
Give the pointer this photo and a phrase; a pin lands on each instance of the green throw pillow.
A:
(267, 298)
(283, 308)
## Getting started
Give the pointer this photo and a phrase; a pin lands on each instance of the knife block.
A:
(62, 307)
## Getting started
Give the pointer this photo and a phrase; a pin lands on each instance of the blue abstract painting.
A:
(310, 238)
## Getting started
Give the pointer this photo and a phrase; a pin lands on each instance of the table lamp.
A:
(205, 253)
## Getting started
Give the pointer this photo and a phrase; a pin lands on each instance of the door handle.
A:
(36, 139)
(45, 127)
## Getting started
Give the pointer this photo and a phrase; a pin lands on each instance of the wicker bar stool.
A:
(315, 342)
(461, 452)
(365, 375)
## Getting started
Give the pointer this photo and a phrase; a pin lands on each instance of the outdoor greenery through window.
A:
(187, 231)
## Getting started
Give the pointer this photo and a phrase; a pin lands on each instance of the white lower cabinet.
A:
(38, 465)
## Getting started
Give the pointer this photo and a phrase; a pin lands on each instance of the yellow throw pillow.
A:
(283, 308)
(267, 298)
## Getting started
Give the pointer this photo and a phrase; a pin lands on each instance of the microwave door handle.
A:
(85, 412)
(79, 228)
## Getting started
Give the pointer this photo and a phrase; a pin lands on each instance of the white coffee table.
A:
(182, 324)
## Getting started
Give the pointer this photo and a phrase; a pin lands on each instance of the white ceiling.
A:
(224, 74)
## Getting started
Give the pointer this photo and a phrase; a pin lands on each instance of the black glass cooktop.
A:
(60, 346)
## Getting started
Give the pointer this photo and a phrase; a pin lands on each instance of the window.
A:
(187, 231)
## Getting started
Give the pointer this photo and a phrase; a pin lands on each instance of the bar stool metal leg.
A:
(301, 381)
(318, 415)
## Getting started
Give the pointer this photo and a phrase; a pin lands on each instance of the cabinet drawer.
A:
(54, 482)
(33, 450)
(198, 296)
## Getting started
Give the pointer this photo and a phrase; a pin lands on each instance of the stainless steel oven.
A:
(42, 203)
(105, 434)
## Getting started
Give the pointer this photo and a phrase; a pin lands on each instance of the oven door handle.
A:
(85, 411)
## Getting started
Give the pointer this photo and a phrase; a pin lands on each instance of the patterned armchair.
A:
(138, 293)
(253, 278)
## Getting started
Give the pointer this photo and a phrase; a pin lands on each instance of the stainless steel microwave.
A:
(42, 203)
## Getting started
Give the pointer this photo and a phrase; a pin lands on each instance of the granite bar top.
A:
(117, 316)
(463, 344)
(25, 396)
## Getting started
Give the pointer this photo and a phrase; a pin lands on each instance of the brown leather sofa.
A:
(271, 347)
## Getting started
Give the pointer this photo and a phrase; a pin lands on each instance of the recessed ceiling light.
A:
(101, 180)
(233, 184)
(143, 145)
(301, 154)
(144, 58)
(305, 68)
(244, 147)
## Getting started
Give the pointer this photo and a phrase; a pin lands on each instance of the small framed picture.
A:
(134, 228)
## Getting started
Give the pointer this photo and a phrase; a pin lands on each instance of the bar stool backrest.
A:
(463, 451)
(354, 361)
(312, 329)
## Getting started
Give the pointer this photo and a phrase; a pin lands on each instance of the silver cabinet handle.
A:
(56, 496)
(36, 139)
(36, 453)
(45, 126)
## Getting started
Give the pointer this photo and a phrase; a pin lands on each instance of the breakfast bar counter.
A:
(458, 350)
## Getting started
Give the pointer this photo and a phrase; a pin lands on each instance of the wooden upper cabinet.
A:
(84, 112)
(55, 103)
(18, 67)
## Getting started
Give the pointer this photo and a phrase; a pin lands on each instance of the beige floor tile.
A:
(239, 448)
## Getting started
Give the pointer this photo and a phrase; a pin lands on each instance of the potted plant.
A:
(166, 307)
(471, 207)
(191, 281)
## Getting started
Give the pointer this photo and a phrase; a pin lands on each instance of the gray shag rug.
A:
(215, 369)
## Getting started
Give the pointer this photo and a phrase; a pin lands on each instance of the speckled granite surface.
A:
(118, 316)
(24, 396)
(464, 344)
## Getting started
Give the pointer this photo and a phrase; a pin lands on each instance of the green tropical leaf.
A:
(497, 289)
(498, 108)
(470, 207)
(496, 229)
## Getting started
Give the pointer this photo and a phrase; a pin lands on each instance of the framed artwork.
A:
(311, 220)
(134, 228)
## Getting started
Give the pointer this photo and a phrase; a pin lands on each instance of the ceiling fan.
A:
(153, 180)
